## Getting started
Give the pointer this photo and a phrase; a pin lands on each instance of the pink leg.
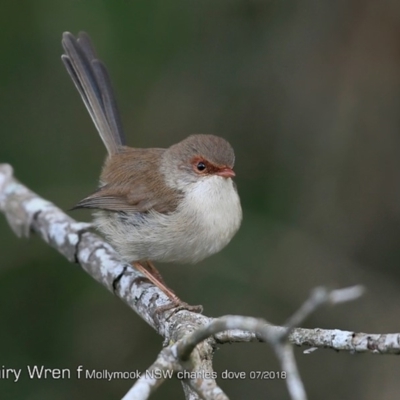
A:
(154, 276)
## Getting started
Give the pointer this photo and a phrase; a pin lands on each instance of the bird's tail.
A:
(92, 80)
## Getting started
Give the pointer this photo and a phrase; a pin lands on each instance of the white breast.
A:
(213, 212)
(204, 222)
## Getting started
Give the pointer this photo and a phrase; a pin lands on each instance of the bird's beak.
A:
(226, 172)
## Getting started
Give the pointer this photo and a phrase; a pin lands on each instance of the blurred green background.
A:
(307, 92)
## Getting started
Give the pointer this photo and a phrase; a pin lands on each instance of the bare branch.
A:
(236, 336)
(320, 296)
(335, 339)
(284, 352)
(225, 323)
(198, 382)
(206, 389)
(154, 376)
(272, 334)
(26, 211)
(194, 336)
(347, 294)
(276, 337)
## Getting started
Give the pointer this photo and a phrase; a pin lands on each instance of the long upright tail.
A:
(92, 80)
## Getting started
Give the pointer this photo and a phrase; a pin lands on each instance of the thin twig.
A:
(153, 377)
(284, 352)
(320, 296)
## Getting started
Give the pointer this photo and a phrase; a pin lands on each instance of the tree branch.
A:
(193, 336)
(163, 368)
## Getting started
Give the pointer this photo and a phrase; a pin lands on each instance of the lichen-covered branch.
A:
(26, 211)
(163, 368)
(378, 343)
(190, 338)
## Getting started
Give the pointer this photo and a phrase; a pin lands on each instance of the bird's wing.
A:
(133, 182)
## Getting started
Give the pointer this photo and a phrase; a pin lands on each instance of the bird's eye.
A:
(201, 166)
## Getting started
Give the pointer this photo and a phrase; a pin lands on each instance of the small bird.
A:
(178, 204)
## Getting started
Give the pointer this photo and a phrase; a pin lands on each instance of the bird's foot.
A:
(152, 274)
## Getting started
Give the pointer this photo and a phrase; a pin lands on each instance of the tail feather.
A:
(93, 83)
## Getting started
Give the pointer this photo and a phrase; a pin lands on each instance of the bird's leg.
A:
(153, 271)
(154, 276)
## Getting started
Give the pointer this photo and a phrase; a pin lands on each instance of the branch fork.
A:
(190, 339)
